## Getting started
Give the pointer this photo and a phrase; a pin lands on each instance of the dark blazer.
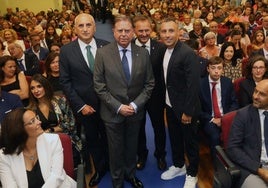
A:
(244, 144)
(42, 55)
(76, 77)
(8, 102)
(228, 98)
(247, 87)
(220, 38)
(112, 87)
(32, 64)
(182, 80)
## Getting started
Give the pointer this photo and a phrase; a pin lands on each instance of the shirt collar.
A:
(121, 48)
(211, 81)
(147, 44)
(84, 45)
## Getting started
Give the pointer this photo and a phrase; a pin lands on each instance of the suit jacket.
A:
(42, 55)
(220, 38)
(247, 87)
(157, 52)
(31, 63)
(8, 102)
(76, 77)
(182, 82)
(228, 98)
(112, 87)
(50, 157)
(244, 144)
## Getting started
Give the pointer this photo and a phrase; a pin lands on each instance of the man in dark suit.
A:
(36, 48)
(99, 9)
(123, 86)
(76, 77)
(156, 104)
(181, 74)
(27, 62)
(226, 100)
(246, 145)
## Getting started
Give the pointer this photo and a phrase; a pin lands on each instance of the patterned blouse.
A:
(233, 72)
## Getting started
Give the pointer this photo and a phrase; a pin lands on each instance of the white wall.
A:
(32, 5)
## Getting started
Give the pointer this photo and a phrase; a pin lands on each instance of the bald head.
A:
(260, 95)
(85, 27)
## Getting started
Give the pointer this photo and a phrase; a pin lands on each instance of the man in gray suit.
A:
(123, 92)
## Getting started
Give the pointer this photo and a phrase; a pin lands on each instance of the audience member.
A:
(12, 80)
(2, 49)
(38, 30)
(198, 32)
(51, 35)
(247, 140)
(27, 62)
(29, 157)
(155, 105)
(55, 47)
(69, 29)
(76, 78)
(52, 72)
(65, 38)
(36, 48)
(240, 48)
(214, 27)
(232, 65)
(256, 70)
(262, 51)
(217, 98)
(123, 97)
(210, 49)
(181, 73)
(8, 102)
(54, 111)
(10, 36)
(258, 40)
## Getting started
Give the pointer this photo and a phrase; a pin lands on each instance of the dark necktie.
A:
(21, 65)
(90, 58)
(216, 109)
(125, 65)
(266, 130)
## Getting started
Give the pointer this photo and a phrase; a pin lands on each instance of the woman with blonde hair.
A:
(10, 36)
(210, 49)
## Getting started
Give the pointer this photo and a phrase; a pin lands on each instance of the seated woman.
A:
(53, 110)
(210, 49)
(240, 48)
(232, 64)
(28, 156)
(257, 41)
(256, 70)
(52, 72)
(13, 80)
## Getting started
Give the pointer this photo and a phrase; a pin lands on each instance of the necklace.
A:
(31, 157)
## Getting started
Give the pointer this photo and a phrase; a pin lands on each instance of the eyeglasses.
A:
(258, 68)
(32, 121)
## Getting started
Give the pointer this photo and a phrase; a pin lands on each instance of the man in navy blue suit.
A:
(246, 144)
(76, 77)
(8, 102)
(226, 100)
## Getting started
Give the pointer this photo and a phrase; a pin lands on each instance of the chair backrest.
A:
(236, 84)
(226, 122)
(68, 164)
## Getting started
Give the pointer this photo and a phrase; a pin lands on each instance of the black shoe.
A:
(141, 163)
(95, 180)
(135, 182)
(161, 163)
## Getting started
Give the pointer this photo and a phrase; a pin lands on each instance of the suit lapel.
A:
(135, 58)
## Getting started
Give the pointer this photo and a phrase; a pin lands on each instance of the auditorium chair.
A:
(68, 164)
(226, 173)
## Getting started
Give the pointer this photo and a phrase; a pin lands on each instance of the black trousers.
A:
(183, 139)
(96, 141)
(155, 109)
